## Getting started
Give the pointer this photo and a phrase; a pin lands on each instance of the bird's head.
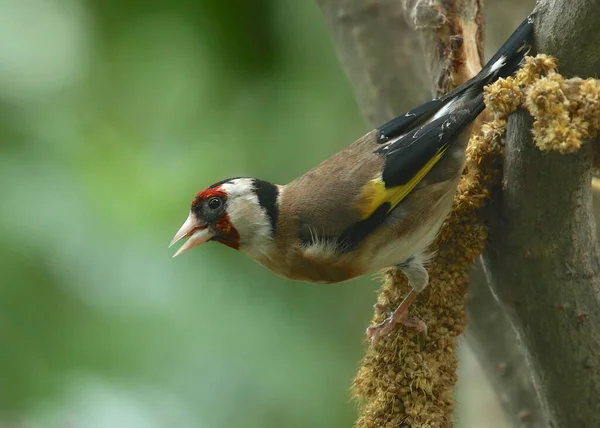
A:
(238, 212)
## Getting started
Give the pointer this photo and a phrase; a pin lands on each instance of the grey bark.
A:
(495, 343)
(543, 259)
(380, 53)
(390, 66)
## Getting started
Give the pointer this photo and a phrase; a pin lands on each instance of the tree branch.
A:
(380, 53)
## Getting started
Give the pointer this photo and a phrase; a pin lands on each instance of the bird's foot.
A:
(376, 332)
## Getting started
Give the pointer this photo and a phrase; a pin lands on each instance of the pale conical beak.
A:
(198, 234)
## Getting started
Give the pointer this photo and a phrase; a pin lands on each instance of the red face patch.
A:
(208, 193)
(228, 235)
(226, 232)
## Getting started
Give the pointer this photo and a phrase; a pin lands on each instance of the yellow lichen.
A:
(566, 112)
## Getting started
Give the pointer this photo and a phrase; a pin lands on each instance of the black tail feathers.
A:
(507, 59)
(503, 64)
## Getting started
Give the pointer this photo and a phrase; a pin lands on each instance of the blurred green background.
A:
(113, 114)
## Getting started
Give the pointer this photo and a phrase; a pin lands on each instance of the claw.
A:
(374, 333)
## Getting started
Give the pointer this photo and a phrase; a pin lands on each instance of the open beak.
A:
(198, 235)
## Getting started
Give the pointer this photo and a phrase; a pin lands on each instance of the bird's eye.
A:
(215, 203)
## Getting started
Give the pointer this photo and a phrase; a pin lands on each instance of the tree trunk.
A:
(543, 258)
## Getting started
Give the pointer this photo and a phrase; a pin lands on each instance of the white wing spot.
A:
(417, 132)
(498, 64)
(444, 110)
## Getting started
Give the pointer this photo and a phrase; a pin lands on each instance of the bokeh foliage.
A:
(113, 114)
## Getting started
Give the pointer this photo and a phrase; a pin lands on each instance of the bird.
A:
(377, 203)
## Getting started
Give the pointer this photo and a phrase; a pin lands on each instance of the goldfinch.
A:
(377, 203)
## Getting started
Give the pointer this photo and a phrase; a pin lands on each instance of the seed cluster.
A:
(566, 112)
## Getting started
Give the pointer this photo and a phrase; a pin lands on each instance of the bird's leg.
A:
(397, 317)
(418, 278)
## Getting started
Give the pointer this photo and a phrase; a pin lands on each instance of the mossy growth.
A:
(407, 380)
(566, 112)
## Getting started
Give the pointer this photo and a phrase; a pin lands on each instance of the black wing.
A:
(413, 142)
(410, 153)
(504, 63)
(406, 164)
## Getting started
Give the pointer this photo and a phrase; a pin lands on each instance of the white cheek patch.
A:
(247, 216)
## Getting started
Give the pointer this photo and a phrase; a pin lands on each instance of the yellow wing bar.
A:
(374, 193)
